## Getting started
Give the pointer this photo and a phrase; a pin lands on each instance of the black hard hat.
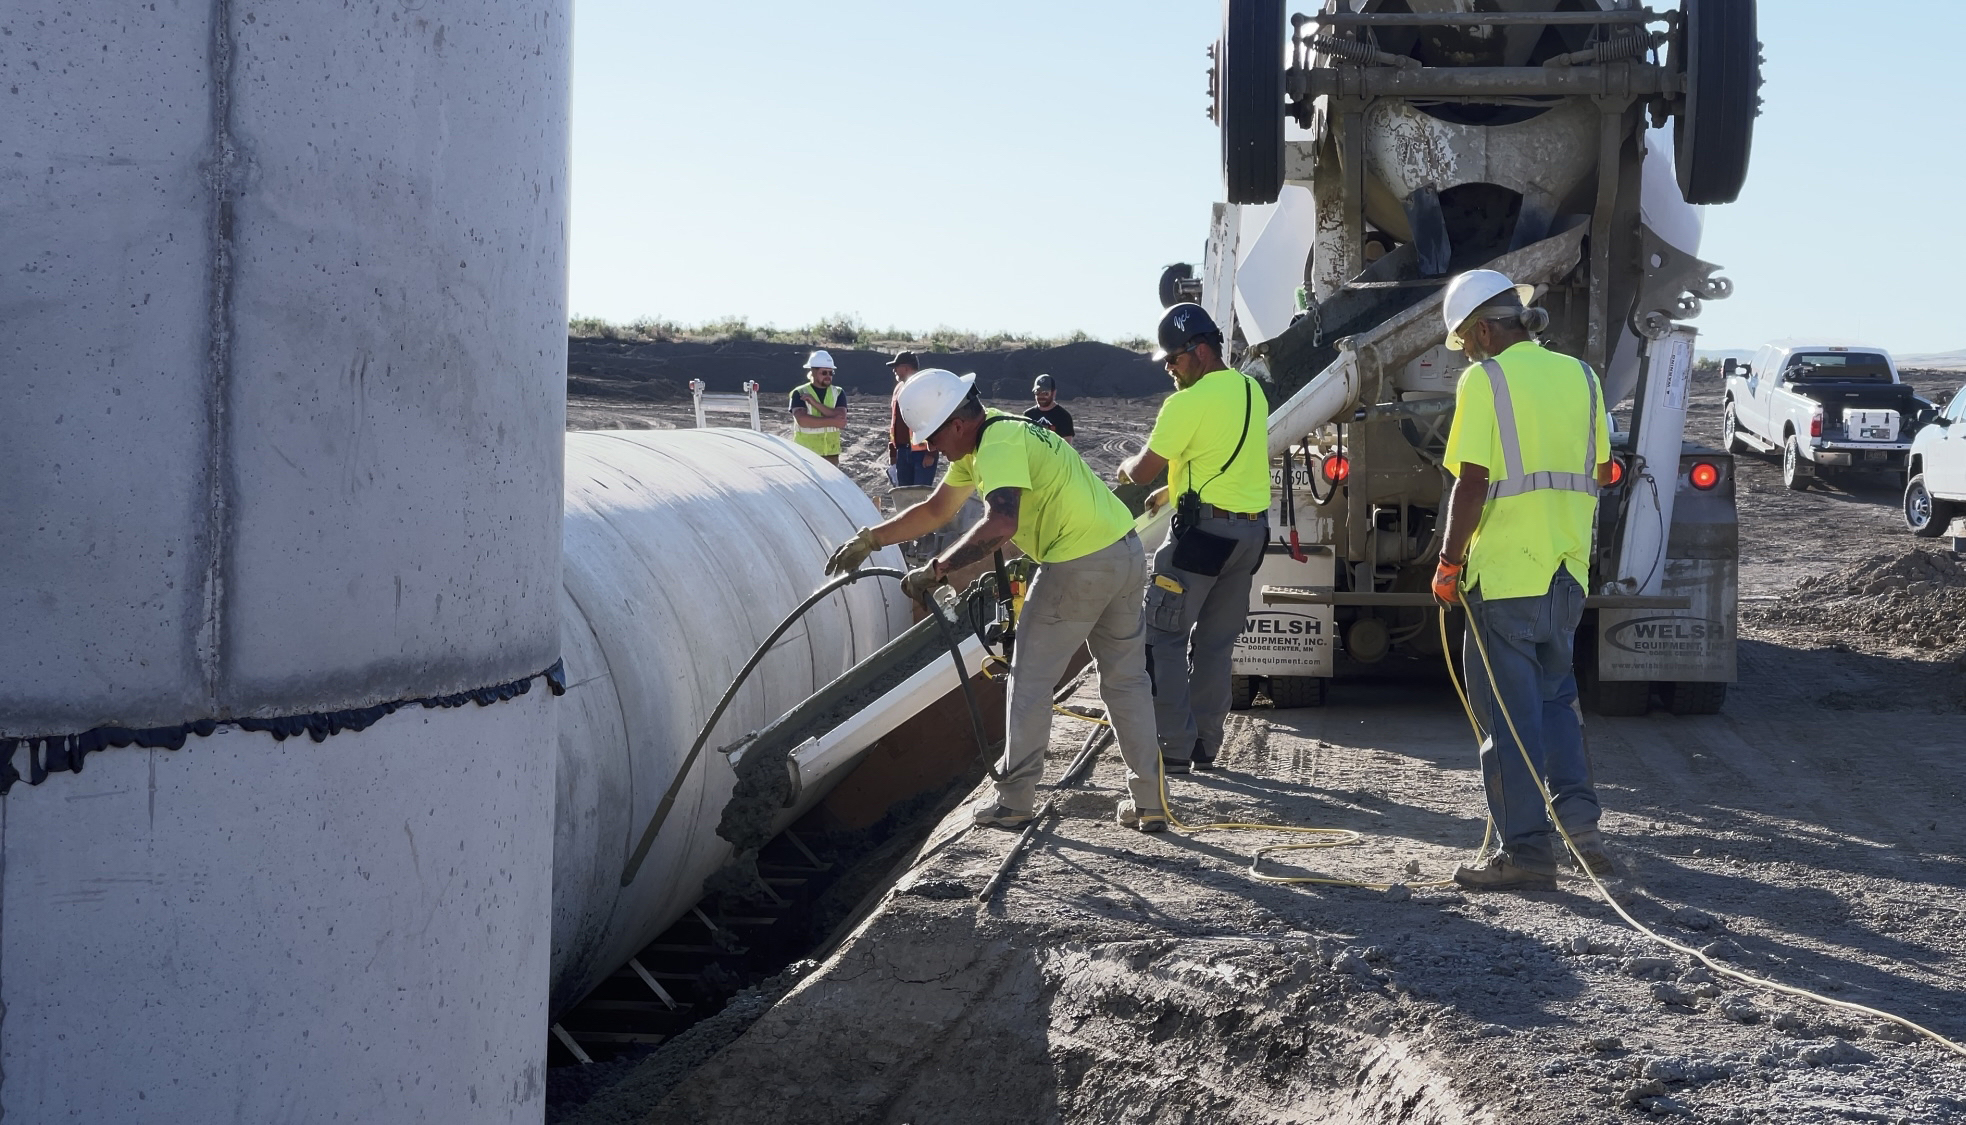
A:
(1181, 325)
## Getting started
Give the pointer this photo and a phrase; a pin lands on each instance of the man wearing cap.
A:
(1212, 437)
(1041, 496)
(1047, 412)
(913, 460)
(1529, 448)
(819, 408)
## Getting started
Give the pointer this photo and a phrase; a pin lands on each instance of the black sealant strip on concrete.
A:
(57, 753)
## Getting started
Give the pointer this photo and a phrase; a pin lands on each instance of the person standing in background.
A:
(819, 408)
(1047, 412)
(913, 460)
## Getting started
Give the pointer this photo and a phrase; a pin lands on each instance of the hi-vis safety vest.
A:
(1510, 439)
(824, 442)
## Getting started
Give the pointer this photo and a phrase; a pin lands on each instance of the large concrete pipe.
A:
(684, 549)
(282, 288)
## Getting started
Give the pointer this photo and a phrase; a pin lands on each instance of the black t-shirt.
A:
(1057, 419)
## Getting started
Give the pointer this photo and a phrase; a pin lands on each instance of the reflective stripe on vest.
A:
(824, 441)
(1519, 482)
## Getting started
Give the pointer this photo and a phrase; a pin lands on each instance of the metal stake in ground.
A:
(1094, 742)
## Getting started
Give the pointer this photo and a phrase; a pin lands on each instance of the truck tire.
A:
(1297, 691)
(1797, 471)
(1170, 283)
(1249, 99)
(1694, 697)
(1730, 430)
(1713, 132)
(1616, 699)
(1242, 693)
(1925, 514)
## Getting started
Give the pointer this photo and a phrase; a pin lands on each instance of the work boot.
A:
(1202, 759)
(1130, 816)
(1500, 873)
(1590, 844)
(1173, 765)
(999, 816)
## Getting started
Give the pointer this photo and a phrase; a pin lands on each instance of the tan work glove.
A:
(919, 581)
(1157, 499)
(850, 554)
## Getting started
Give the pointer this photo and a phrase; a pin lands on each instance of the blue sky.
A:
(1029, 167)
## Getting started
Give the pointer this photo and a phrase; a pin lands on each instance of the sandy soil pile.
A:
(1911, 599)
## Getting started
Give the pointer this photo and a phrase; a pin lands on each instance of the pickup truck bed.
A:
(1840, 413)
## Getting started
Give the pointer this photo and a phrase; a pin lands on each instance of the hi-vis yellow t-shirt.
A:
(1197, 430)
(1066, 512)
(1521, 540)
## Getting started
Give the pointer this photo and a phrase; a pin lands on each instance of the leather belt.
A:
(1211, 512)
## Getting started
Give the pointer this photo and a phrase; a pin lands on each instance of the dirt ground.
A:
(1806, 834)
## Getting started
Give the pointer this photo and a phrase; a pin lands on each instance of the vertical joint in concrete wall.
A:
(221, 170)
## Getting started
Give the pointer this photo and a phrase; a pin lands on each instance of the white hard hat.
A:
(819, 359)
(929, 397)
(1471, 290)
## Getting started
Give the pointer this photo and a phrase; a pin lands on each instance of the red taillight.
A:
(1617, 470)
(1816, 424)
(1337, 468)
(1705, 475)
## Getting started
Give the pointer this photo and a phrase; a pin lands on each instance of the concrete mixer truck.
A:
(1373, 148)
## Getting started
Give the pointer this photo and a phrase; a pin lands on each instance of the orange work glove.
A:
(1447, 581)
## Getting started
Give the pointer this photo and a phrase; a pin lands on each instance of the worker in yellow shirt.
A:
(1212, 436)
(1529, 449)
(819, 408)
(1042, 497)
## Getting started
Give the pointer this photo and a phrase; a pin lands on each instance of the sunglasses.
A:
(1172, 356)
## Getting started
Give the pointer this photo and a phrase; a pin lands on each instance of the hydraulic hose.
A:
(668, 802)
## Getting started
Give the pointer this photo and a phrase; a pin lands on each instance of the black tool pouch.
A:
(1197, 551)
(1203, 553)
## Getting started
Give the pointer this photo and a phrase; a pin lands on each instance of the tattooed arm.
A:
(993, 532)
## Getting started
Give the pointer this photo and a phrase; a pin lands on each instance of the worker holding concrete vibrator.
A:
(1041, 496)
(1529, 449)
(1211, 436)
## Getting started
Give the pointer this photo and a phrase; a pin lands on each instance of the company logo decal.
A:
(1282, 624)
(1660, 635)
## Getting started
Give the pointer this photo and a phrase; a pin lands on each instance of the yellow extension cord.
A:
(1341, 837)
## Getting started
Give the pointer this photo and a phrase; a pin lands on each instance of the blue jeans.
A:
(914, 466)
(1529, 648)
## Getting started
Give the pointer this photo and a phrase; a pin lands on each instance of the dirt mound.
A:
(660, 371)
(1911, 599)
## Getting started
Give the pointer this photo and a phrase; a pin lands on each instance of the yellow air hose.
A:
(1749, 979)
(1342, 837)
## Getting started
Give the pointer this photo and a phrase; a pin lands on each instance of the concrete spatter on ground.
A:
(1122, 977)
(934, 1014)
(1234, 1030)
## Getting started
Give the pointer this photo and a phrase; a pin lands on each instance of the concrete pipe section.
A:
(284, 369)
(684, 549)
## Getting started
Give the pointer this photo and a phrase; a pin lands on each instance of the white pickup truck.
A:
(1822, 407)
(1935, 473)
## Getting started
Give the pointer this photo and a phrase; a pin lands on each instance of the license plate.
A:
(1877, 455)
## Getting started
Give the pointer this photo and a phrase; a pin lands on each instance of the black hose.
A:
(662, 810)
(962, 677)
(647, 841)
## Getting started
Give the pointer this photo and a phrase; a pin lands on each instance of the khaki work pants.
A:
(1094, 600)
